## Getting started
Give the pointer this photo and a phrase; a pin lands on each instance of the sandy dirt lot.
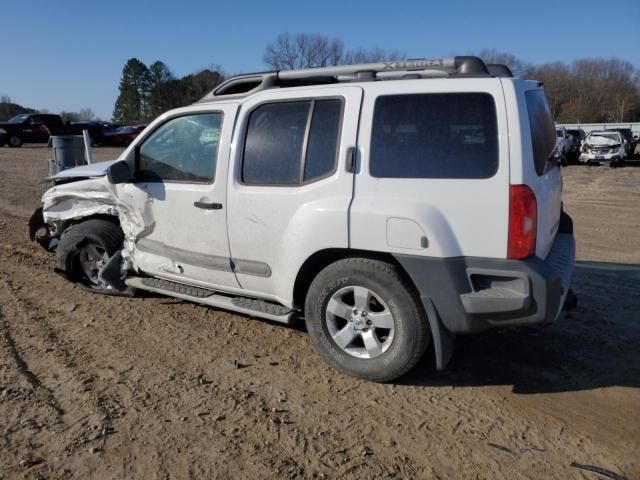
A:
(152, 387)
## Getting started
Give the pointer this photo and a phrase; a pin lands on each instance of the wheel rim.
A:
(360, 322)
(93, 258)
(14, 141)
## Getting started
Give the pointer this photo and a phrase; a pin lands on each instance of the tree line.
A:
(585, 90)
(10, 109)
(146, 92)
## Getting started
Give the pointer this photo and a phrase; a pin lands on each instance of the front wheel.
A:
(15, 141)
(85, 249)
(365, 319)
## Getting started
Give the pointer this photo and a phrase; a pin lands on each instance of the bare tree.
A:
(519, 67)
(305, 50)
(86, 114)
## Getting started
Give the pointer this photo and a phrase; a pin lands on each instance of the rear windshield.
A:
(444, 135)
(543, 138)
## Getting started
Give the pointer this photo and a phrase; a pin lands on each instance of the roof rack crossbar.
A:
(243, 85)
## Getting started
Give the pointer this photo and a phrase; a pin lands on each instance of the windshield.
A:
(19, 118)
(125, 130)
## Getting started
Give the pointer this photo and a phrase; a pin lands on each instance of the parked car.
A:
(604, 146)
(30, 128)
(389, 214)
(123, 136)
(630, 142)
(563, 143)
(576, 136)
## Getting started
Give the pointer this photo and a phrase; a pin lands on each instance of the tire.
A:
(83, 251)
(14, 141)
(381, 349)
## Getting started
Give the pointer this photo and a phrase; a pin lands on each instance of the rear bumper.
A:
(472, 294)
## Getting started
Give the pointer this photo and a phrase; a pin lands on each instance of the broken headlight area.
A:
(41, 232)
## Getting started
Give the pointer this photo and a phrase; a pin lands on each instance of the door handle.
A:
(208, 206)
(351, 159)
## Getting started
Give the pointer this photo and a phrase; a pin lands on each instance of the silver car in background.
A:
(603, 146)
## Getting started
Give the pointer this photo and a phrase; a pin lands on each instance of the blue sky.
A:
(66, 55)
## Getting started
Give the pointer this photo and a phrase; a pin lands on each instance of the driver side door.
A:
(182, 167)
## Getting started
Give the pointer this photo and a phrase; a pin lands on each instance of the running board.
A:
(247, 306)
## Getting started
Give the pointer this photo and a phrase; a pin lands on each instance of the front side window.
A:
(444, 135)
(184, 149)
(291, 143)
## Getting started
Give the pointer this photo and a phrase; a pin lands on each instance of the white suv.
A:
(391, 205)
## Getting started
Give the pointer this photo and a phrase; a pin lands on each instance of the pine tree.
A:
(161, 89)
(132, 103)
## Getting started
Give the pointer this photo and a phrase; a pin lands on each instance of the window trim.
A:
(136, 172)
(305, 142)
(497, 131)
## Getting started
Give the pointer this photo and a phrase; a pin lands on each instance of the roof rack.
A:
(460, 66)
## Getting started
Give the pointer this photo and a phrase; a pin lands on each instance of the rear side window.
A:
(445, 135)
(291, 143)
(543, 138)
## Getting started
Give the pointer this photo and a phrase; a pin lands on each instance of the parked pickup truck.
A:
(38, 127)
(30, 128)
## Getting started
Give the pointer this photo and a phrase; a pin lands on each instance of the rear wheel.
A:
(85, 249)
(365, 319)
(15, 141)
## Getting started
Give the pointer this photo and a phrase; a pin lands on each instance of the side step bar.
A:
(247, 306)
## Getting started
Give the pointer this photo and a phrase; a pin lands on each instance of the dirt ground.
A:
(153, 387)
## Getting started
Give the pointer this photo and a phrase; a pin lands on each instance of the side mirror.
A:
(636, 137)
(119, 172)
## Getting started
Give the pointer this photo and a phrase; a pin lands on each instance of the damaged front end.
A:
(81, 194)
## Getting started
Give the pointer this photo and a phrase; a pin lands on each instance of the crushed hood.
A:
(597, 140)
(98, 169)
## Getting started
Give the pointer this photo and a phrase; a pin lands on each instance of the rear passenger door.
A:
(434, 173)
(291, 185)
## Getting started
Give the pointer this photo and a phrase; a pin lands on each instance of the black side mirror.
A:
(119, 172)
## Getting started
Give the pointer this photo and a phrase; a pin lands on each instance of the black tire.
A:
(14, 141)
(411, 332)
(95, 235)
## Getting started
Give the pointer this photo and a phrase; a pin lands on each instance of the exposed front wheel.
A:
(365, 320)
(85, 249)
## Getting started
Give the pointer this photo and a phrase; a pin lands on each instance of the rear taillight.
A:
(523, 222)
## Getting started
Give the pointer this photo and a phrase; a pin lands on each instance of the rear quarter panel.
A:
(547, 187)
(456, 217)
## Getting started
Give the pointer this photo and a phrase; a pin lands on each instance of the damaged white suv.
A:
(391, 205)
